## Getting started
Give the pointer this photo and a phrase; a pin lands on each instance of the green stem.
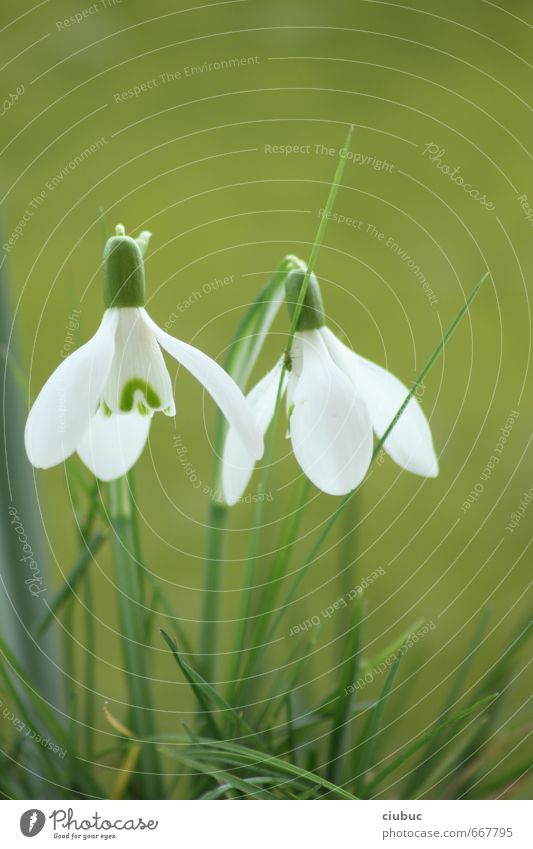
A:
(214, 561)
(279, 568)
(130, 587)
(89, 669)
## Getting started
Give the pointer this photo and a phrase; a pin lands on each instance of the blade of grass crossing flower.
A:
(332, 521)
(342, 713)
(431, 362)
(246, 597)
(369, 738)
(324, 218)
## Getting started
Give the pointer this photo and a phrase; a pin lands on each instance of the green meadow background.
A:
(205, 160)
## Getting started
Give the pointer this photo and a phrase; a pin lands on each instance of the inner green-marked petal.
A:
(127, 397)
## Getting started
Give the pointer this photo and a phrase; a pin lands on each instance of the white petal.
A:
(237, 462)
(138, 376)
(409, 443)
(111, 445)
(69, 398)
(330, 427)
(218, 383)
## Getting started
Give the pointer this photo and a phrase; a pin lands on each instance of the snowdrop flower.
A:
(101, 399)
(336, 400)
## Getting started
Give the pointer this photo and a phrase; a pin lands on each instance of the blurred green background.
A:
(192, 157)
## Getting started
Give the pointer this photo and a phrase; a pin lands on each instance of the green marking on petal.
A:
(105, 409)
(143, 409)
(127, 398)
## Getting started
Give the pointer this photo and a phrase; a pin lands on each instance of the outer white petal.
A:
(237, 462)
(218, 383)
(138, 374)
(111, 445)
(69, 398)
(330, 427)
(409, 443)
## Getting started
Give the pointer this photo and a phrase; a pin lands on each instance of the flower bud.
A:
(312, 313)
(123, 271)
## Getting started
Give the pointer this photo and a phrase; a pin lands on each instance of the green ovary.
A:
(127, 397)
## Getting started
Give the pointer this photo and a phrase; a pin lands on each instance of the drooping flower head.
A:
(101, 399)
(336, 401)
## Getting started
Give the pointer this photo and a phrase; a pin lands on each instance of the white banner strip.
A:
(269, 824)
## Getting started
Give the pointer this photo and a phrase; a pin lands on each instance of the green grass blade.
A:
(342, 712)
(246, 757)
(458, 719)
(206, 694)
(71, 583)
(369, 738)
(424, 767)
(517, 773)
(223, 788)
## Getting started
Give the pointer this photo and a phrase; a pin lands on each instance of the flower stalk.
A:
(132, 613)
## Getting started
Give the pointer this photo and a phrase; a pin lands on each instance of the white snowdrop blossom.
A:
(336, 401)
(101, 399)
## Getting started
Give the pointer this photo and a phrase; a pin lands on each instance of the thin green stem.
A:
(129, 572)
(279, 568)
(214, 562)
(89, 669)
